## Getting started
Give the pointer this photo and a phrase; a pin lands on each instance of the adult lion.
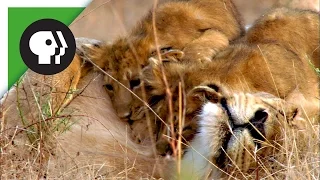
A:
(277, 57)
(46, 133)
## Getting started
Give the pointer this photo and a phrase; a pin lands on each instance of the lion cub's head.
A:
(122, 61)
(190, 26)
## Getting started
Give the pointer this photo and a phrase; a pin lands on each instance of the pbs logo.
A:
(47, 46)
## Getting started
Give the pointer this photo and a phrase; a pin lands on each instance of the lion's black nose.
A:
(259, 119)
(256, 126)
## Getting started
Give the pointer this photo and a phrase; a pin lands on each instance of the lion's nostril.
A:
(260, 116)
(256, 127)
(130, 122)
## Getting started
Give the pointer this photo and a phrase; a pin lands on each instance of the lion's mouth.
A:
(222, 158)
(236, 151)
(240, 139)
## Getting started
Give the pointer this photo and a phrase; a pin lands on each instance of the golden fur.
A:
(297, 30)
(278, 65)
(236, 134)
(31, 111)
(94, 142)
(97, 142)
(85, 140)
(200, 28)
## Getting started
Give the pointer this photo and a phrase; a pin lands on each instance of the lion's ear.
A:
(86, 47)
(294, 118)
(201, 94)
(93, 51)
(291, 112)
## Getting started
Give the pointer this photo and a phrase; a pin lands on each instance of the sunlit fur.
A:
(95, 144)
(226, 145)
(200, 28)
(98, 144)
(270, 63)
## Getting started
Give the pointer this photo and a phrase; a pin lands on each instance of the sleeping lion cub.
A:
(199, 28)
(275, 57)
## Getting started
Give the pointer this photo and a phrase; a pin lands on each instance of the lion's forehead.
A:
(122, 64)
(130, 57)
(123, 75)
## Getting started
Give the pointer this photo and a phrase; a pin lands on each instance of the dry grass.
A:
(295, 157)
(84, 140)
(51, 148)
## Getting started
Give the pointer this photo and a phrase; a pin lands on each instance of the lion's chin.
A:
(240, 151)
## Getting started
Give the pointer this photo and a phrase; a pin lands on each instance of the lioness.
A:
(268, 59)
(97, 143)
(86, 139)
(199, 28)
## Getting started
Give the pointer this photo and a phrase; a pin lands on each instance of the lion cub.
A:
(274, 57)
(199, 28)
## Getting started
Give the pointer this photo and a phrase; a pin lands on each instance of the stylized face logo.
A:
(47, 46)
(44, 45)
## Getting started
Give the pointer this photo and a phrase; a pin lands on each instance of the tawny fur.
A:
(77, 145)
(228, 144)
(278, 65)
(200, 28)
(96, 145)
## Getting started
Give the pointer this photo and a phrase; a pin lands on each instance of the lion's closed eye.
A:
(161, 50)
(155, 99)
(135, 83)
(109, 87)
